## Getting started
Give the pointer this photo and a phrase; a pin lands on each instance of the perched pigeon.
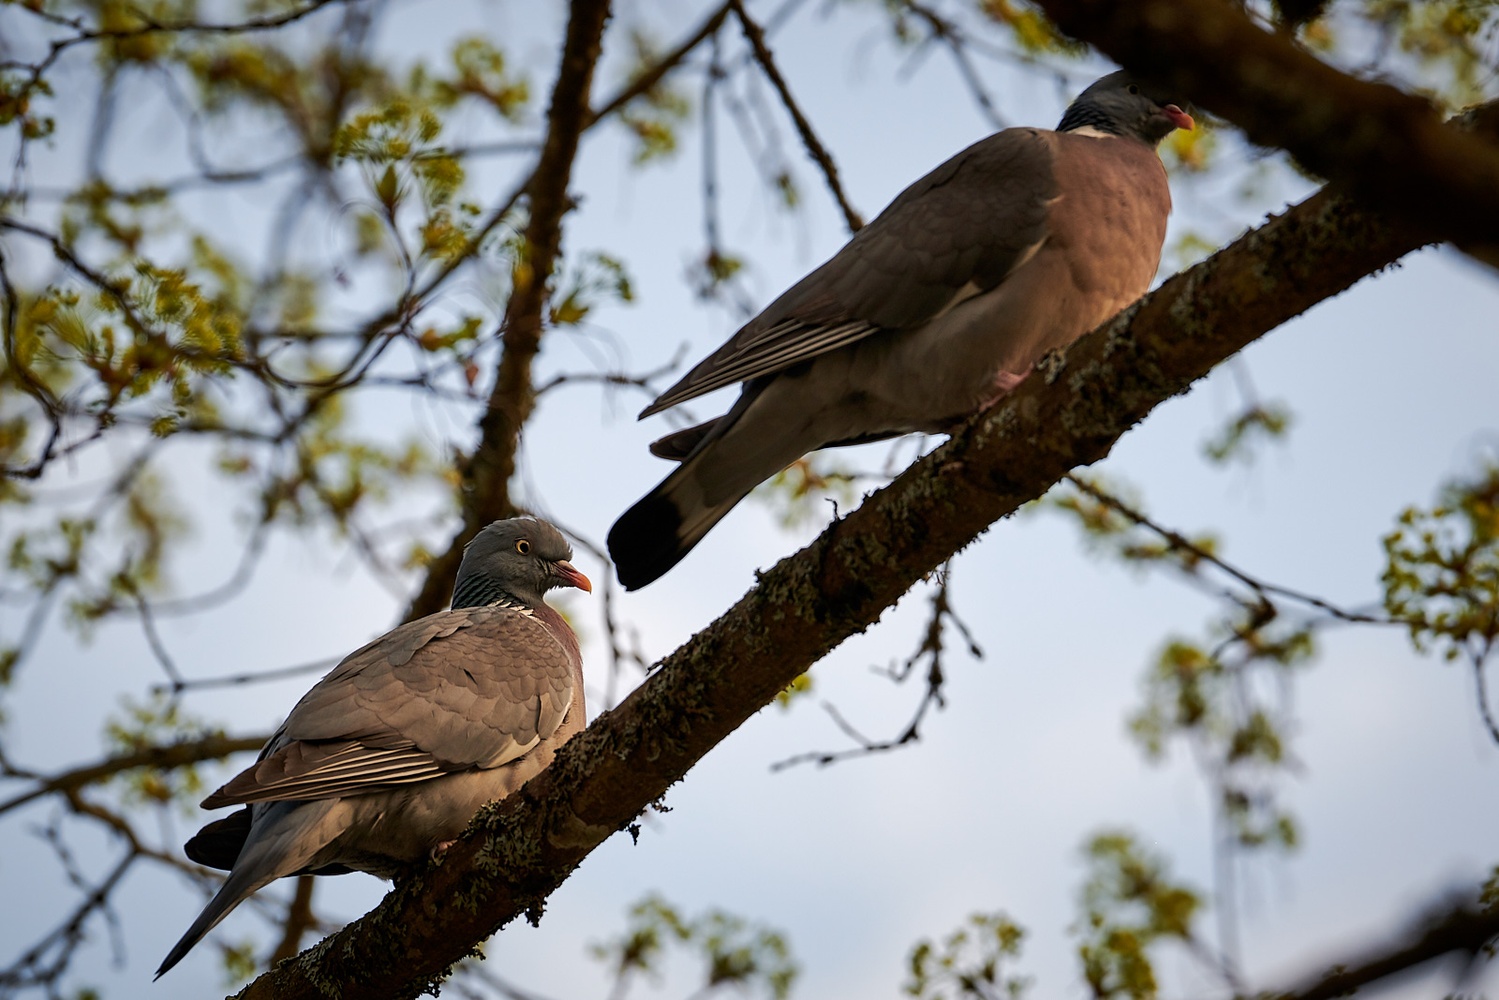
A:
(388, 757)
(1018, 245)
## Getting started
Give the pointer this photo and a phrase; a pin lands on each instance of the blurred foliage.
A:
(1453, 40)
(803, 685)
(596, 278)
(1442, 574)
(655, 118)
(1192, 151)
(141, 726)
(1032, 30)
(240, 963)
(1489, 894)
(481, 71)
(1130, 905)
(969, 963)
(1257, 423)
(733, 953)
(1227, 699)
(1237, 733)
(712, 272)
(808, 489)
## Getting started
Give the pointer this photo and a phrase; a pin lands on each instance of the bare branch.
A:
(932, 647)
(815, 148)
(248, 677)
(642, 83)
(1196, 552)
(951, 36)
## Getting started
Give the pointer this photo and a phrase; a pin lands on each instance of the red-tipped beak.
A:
(1179, 118)
(569, 575)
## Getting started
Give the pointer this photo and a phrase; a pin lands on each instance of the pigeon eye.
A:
(523, 547)
(1134, 89)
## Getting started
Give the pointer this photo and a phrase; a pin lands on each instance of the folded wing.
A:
(955, 233)
(474, 688)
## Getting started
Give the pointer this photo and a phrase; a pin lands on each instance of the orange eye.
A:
(523, 547)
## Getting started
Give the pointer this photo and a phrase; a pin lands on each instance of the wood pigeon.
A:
(1017, 246)
(388, 757)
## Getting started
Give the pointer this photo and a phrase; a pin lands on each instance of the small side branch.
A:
(932, 648)
(815, 149)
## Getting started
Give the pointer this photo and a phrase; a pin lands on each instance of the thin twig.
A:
(1178, 541)
(647, 79)
(756, 37)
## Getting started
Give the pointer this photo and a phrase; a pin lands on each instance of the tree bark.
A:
(487, 471)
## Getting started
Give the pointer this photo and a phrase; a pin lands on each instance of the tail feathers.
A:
(235, 890)
(653, 536)
(722, 460)
(283, 838)
(677, 445)
(218, 844)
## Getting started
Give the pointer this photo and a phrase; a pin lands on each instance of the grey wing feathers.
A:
(967, 223)
(471, 688)
(301, 770)
(782, 346)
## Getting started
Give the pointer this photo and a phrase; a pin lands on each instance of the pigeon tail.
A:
(283, 839)
(219, 843)
(729, 456)
(234, 891)
(678, 445)
(661, 528)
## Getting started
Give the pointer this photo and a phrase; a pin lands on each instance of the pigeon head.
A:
(521, 558)
(1119, 104)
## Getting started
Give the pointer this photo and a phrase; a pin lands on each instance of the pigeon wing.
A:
(474, 688)
(955, 233)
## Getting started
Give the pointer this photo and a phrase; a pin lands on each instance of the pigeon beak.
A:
(1178, 117)
(569, 575)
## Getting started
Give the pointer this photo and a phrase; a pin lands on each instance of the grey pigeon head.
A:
(1121, 105)
(520, 558)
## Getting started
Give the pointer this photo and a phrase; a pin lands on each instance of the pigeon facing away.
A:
(389, 756)
(1015, 247)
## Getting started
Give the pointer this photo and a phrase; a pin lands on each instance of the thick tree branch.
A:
(1388, 147)
(488, 469)
(1068, 414)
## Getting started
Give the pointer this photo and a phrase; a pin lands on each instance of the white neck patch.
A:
(1091, 132)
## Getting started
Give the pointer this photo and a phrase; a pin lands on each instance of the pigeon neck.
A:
(480, 591)
(1088, 121)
